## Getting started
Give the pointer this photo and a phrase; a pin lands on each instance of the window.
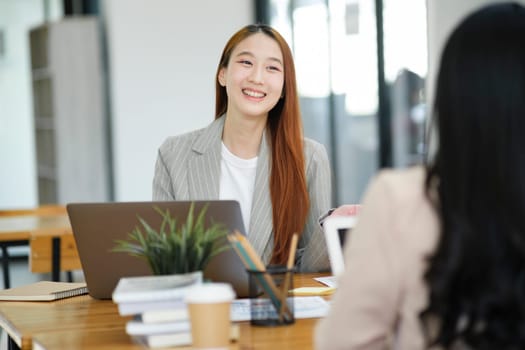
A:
(342, 68)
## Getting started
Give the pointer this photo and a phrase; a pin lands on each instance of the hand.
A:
(347, 210)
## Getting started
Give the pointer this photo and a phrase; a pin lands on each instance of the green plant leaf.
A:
(176, 248)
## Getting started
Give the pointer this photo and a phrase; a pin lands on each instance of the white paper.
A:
(330, 281)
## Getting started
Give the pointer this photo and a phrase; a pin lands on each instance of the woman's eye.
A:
(274, 68)
(245, 62)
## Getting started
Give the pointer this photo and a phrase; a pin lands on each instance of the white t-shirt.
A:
(238, 181)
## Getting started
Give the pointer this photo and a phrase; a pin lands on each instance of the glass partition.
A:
(335, 45)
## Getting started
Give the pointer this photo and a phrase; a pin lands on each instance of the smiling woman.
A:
(255, 152)
(254, 82)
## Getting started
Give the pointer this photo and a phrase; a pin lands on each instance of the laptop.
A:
(96, 226)
(337, 230)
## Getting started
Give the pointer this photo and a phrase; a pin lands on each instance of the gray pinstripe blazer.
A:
(188, 168)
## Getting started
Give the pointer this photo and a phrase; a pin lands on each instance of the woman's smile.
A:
(253, 93)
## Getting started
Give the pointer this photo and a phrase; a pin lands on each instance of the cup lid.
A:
(210, 293)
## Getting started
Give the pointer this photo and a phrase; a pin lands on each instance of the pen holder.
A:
(271, 304)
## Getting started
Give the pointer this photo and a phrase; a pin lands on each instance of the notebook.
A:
(43, 291)
(336, 231)
(96, 226)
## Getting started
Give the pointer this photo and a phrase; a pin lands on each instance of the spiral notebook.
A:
(43, 291)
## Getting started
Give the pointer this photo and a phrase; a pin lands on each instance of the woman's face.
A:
(254, 77)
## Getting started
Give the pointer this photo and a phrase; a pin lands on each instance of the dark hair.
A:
(288, 191)
(476, 277)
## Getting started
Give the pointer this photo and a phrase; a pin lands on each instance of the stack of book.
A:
(160, 315)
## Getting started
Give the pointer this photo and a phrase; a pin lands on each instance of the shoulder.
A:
(197, 140)
(185, 140)
(314, 151)
(312, 146)
(317, 164)
(399, 198)
(405, 183)
(401, 190)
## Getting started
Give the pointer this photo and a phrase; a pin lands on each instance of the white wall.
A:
(17, 153)
(443, 17)
(162, 55)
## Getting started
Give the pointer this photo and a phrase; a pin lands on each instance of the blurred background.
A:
(89, 89)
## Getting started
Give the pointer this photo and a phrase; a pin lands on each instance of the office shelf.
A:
(68, 104)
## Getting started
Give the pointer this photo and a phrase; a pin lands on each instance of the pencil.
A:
(255, 264)
(235, 244)
(258, 264)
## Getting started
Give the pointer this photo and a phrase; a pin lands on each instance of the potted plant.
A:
(176, 249)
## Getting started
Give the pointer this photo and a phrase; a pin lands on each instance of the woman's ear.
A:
(221, 77)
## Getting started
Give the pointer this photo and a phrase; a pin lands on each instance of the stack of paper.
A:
(305, 307)
(157, 303)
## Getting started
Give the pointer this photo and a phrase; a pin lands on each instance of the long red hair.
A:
(288, 191)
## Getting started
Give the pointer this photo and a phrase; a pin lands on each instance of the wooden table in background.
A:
(50, 238)
(85, 323)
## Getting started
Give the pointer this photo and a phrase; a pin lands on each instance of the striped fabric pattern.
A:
(188, 168)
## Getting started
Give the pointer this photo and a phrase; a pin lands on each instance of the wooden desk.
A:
(26, 229)
(16, 228)
(86, 323)
(53, 251)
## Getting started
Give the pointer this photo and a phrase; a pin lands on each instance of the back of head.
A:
(479, 96)
(477, 274)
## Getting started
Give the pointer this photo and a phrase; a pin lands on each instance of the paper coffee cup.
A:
(209, 309)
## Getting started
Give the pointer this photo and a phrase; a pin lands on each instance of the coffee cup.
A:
(209, 309)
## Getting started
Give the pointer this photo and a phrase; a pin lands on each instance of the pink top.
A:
(382, 292)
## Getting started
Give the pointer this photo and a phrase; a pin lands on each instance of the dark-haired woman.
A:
(255, 152)
(438, 257)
